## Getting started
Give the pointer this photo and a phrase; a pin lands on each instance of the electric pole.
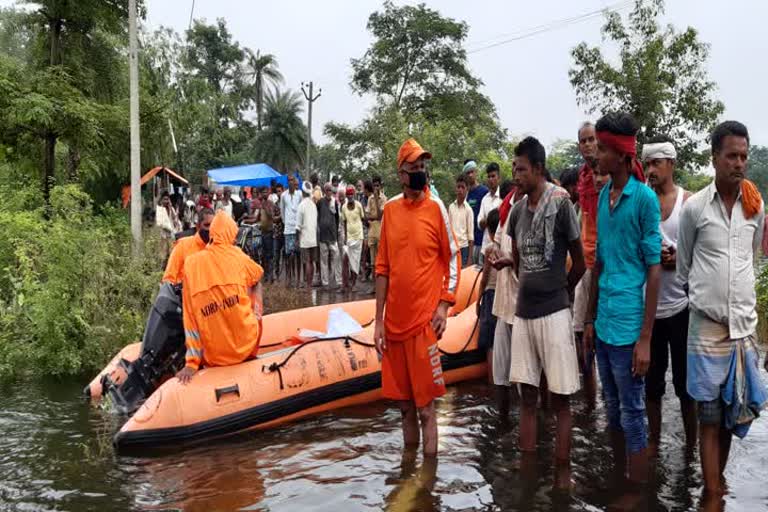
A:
(310, 100)
(133, 60)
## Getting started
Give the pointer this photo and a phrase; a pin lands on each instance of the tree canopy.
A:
(660, 78)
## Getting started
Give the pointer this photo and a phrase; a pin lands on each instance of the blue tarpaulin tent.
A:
(251, 175)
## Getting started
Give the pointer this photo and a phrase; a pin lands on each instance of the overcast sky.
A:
(526, 79)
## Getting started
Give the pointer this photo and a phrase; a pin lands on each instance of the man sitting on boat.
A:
(222, 301)
(187, 246)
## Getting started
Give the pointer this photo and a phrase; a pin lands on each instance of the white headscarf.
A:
(659, 150)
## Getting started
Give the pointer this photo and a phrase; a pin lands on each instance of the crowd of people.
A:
(307, 234)
(612, 271)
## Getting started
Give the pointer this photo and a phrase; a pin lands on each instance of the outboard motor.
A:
(162, 353)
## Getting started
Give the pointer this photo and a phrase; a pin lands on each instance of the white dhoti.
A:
(354, 250)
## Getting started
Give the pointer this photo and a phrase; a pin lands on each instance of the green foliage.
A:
(283, 141)
(74, 295)
(262, 71)
(758, 168)
(563, 155)
(417, 70)
(417, 56)
(661, 80)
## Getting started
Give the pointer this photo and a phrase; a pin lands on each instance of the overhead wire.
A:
(191, 14)
(552, 25)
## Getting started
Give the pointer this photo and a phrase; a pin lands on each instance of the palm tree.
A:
(262, 69)
(284, 138)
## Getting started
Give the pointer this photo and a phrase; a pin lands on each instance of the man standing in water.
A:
(417, 275)
(544, 230)
(588, 192)
(625, 285)
(670, 330)
(721, 229)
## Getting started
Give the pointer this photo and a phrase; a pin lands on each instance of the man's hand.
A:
(500, 263)
(588, 337)
(668, 258)
(641, 357)
(185, 375)
(379, 337)
(440, 319)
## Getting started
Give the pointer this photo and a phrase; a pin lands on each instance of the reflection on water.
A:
(55, 455)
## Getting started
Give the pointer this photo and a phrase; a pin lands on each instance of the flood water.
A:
(55, 455)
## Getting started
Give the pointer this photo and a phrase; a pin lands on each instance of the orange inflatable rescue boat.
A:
(288, 381)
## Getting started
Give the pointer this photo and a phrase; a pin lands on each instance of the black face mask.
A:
(205, 235)
(417, 180)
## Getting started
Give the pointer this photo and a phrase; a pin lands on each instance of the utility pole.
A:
(133, 60)
(310, 100)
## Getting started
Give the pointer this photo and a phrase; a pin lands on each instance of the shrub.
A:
(73, 293)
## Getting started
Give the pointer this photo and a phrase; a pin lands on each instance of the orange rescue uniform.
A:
(220, 326)
(419, 255)
(184, 248)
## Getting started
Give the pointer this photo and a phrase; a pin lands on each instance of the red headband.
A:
(626, 145)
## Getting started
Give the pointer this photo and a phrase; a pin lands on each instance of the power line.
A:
(191, 13)
(553, 25)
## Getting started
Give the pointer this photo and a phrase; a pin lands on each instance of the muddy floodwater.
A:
(55, 455)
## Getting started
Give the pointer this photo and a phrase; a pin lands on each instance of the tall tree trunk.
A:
(259, 100)
(49, 166)
(73, 164)
(55, 27)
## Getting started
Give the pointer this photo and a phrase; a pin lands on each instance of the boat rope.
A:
(469, 340)
(276, 367)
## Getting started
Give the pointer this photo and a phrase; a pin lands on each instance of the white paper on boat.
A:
(340, 324)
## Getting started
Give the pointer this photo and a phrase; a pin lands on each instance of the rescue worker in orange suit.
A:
(187, 246)
(222, 300)
(417, 274)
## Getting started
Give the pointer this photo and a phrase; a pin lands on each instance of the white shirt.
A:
(307, 223)
(491, 201)
(672, 296)
(716, 257)
(168, 223)
(505, 300)
(463, 223)
(289, 210)
(227, 207)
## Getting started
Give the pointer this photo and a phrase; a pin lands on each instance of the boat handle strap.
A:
(227, 390)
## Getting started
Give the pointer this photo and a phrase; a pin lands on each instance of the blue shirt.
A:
(475, 198)
(628, 242)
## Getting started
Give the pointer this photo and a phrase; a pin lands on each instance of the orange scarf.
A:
(751, 199)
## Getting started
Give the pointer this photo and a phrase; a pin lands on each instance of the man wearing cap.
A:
(307, 231)
(625, 286)
(474, 198)
(670, 329)
(417, 274)
(352, 216)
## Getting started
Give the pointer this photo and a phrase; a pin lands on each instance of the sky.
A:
(527, 79)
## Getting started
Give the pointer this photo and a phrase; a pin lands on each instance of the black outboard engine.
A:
(162, 353)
